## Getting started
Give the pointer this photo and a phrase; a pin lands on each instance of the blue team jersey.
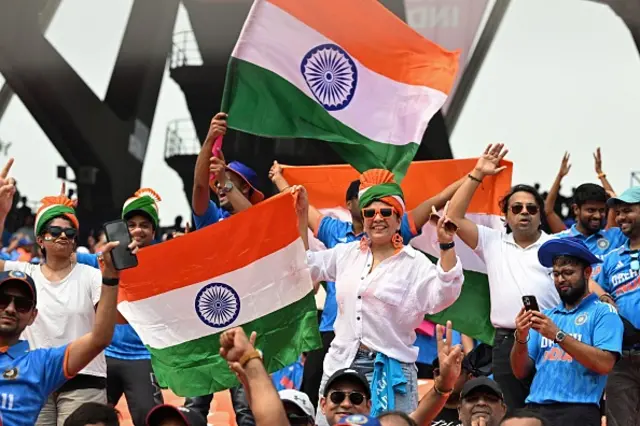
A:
(331, 232)
(601, 243)
(561, 379)
(213, 214)
(28, 377)
(427, 346)
(619, 279)
(126, 343)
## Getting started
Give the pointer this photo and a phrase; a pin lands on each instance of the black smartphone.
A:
(530, 303)
(121, 255)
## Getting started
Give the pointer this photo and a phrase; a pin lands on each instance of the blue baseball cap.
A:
(250, 177)
(19, 277)
(358, 420)
(565, 247)
(630, 196)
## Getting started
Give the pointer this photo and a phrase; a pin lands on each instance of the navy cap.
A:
(630, 196)
(565, 247)
(248, 175)
(486, 384)
(19, 277)
(348, 373)
(358, 419)
(164, 411)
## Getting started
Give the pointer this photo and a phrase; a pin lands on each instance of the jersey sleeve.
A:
(533, 346)
(210, 216)
(408, 227)
(327, 229)
(608, 330)
(54, 368)
(88, 259)
(602, 277)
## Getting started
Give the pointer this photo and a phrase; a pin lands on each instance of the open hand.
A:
(449, 358)
(564, 165)
(489, 163)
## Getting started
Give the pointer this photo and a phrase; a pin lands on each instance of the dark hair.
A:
(570, 260)
(93, 413)
(589, 192)
(353, 190)
(524, 413)
(504, 203)
(400, 414)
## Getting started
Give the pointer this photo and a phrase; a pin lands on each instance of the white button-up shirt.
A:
(514, 272)
(383, 308)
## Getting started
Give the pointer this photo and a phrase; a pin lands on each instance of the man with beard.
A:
(620, 277)
(573, 346)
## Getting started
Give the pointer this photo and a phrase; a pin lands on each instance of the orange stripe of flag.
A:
(212, 251)
(378, 39)
(327, 185)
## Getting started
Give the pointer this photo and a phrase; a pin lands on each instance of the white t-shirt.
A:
(66, 309)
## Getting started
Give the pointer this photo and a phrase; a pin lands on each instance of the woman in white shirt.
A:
(383, 290)
(67, 296)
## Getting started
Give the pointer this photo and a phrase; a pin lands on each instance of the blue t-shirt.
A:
(617, 278)
(289, 377)
(428, 348)
(28, 377)
(331, 232)
(601, 243)
(561, 379)
(126, 343)
(213, 214)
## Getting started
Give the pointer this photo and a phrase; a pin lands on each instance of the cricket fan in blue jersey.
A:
(29, 376)
(570, 348)
(620, 277)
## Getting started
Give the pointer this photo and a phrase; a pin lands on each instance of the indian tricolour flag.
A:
(470, 313)
(249, 270)
(345, 71)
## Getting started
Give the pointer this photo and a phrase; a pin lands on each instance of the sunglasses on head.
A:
(370, 212)
(517, 208)
(57, 231)
(21, 304)
(355, 398)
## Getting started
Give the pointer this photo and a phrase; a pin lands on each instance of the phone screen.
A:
(121, 255)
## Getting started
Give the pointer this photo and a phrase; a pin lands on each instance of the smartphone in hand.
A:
(121, 255)
(530, 303)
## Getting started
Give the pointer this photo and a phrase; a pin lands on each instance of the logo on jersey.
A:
(582, 318)
(603, 244)
(11, 373)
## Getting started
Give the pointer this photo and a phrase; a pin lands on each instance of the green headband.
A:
(377, 192)
(144, 204)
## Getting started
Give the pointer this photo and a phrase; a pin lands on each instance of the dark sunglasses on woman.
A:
(57, 231)
(355, 398)
(517, 208)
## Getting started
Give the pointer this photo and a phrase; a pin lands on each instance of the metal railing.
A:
(181, 138)
(185, 50)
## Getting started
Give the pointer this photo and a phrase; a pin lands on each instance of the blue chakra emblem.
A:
(217, 305)
(331, 75)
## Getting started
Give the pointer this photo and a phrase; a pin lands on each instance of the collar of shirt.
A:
(16, 350)
(584, 302)
(575, 233)
(508, 238)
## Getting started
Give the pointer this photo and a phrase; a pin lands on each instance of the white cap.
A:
(83, 250)
(300, 399)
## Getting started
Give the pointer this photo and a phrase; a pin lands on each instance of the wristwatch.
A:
(228, 187)
(560, 336)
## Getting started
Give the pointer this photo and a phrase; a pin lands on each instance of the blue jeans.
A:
(363, 363)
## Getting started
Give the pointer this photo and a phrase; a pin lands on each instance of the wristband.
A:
(472, 177)
(441, 392)
(515, 335)
(111, 282)
(254, 354)
(605, 296)
(447, 246)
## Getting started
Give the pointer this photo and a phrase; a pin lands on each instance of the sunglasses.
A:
(370, 212)
(532, 209)
(21, 304)
(635, 263)
(355, 398)
(57, 231)
(295, 419)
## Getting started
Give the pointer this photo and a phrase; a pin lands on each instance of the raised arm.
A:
(7, 191)
(422, 213)
(218, 167)
(313, 214)
(83, 350)
(611, 217)
(450, 361)
(521, 364)
(555, 222)
(200, 196)
(488, 164)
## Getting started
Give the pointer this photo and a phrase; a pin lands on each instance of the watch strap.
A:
(447, 246)
(254, 354)
(111, 282)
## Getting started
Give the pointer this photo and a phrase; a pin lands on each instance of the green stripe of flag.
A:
(261, 102)
(195, 368)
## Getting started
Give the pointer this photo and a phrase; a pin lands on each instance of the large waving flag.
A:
(249, 270)
(470, 313)
(347, 72)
